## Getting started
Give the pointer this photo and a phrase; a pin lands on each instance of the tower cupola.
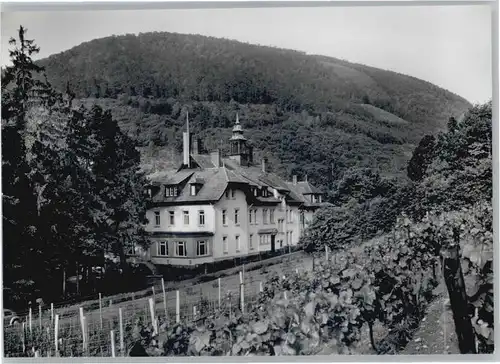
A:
(240, 150)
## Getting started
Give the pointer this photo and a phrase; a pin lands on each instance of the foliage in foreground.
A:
(71, 187)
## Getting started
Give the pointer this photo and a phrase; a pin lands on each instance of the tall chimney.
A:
(264, 162)
(294, 179)
(186, 148)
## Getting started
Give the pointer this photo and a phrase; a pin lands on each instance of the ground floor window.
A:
(265, 239)
(225, 247)
(180, 249)
(238, 244)
(162, 248)
(202, 248)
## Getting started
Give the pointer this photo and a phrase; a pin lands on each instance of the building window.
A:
(264, 216)
(201, 218)
(225, 247)
(186, 217)
(201, 248)
(171, 216)
(224, 217)
(180, 249)
(157, 218)
(227, 193)
(302, 220)
(162, 248)
(236, 212)
(193, 190)
(237, 241)
(255, 220)
(280, 225)
(250, 241)
(232, 194)
(291, 237)
(271, 216)
(250, 217)
(171, 191)
(255, 192)
(265, 239)
(130, 249)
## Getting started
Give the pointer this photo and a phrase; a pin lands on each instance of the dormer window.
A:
(171, 191)
(264, 192)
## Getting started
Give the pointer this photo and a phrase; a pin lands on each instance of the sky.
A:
(449, 46)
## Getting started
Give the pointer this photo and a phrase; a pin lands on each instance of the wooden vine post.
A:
(23, 337)
(242, 293)
(122, 346)
(100, 309)
(40, 315)
(153, 317)
(218, 281)
(56, 335)
(177, 307)
(164, 297)
(454, 279)
(113, 352)
(30, 322)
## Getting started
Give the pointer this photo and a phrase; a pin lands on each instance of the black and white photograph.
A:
(248, 180)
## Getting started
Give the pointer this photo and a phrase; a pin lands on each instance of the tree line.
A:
(72, 186)
(447, 172)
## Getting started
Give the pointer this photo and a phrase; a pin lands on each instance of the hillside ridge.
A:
(314, 115)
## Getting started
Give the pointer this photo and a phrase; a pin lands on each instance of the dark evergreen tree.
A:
(118, 184)
(421, 158)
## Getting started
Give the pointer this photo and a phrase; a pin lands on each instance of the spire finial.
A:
(237, 119)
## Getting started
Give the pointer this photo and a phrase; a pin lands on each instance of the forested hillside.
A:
(311, 115)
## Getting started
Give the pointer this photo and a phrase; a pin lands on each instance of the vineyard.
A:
(303, 309)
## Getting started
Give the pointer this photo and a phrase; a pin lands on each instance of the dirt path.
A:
(436, 334)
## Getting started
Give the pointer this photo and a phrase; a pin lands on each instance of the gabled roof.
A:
(170, 177)
(304, 188)
(213, 182)
(203, 161)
